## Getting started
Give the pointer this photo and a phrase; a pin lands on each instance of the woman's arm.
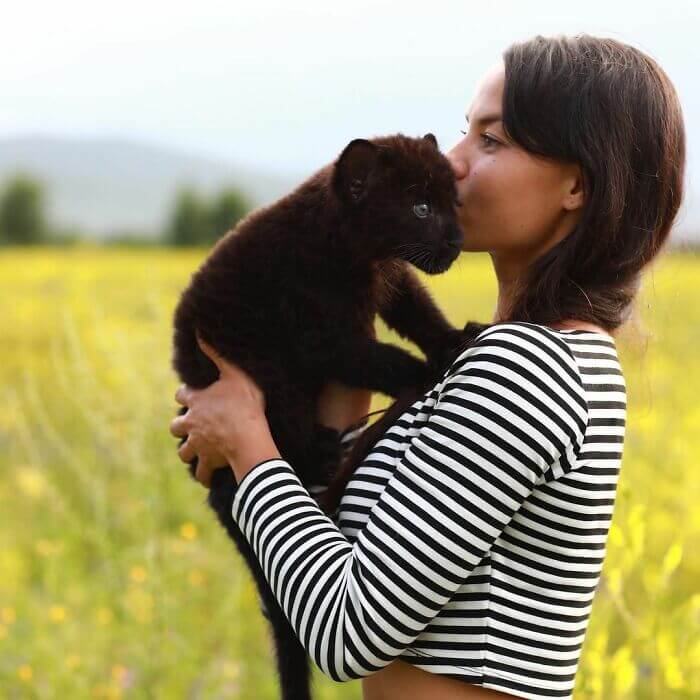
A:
(511, 406)
(344, 409)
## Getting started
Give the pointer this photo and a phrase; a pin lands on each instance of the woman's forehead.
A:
(488, 95)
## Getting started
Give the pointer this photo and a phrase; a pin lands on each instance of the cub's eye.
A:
(421, 210)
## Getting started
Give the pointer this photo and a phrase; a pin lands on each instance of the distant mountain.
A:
(108, 186)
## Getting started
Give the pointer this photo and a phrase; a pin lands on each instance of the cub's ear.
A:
(432, 139)
(353, 170)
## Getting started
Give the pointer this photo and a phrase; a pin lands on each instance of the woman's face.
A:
(514, 204)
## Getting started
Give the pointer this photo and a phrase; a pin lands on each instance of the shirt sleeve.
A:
(510, 407)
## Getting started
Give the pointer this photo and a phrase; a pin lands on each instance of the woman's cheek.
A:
(480, 202)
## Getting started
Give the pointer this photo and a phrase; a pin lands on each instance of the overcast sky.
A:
(286, 85)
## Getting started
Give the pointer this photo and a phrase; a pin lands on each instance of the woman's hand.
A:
(225, 422)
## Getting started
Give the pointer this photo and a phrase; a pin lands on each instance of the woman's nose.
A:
(458, 166)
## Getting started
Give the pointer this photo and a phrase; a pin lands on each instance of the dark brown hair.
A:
(611, 109)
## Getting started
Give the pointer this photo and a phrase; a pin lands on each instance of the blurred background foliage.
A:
(194, 219)
(116, 580)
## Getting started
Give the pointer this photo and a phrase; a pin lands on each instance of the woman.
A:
(469, 543)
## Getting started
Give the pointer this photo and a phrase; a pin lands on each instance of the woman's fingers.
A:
(213, 355)
(186, 452)
(178, 426)
(182, 395)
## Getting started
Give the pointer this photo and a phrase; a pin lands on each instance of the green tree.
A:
(228, 207)
(189, 222)
(196, 222)
(22, 219)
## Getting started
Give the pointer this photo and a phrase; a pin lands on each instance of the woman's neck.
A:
(506, 289)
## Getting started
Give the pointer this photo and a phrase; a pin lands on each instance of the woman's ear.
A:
(353, 170)
(575, 194)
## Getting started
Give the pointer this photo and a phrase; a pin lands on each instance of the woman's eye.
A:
(421, 210)
(489, 141)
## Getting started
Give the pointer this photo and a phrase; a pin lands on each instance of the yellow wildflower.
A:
(119, 672)
(231, 670)
(57, 613)
(109, 692)
(138, 574)
(188, 531)
(31, 481)
(195, 578)
(624, 669)
(73, 661)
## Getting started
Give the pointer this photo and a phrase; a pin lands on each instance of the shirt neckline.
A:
(600, 334)
(605, 336)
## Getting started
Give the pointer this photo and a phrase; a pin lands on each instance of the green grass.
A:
(115, 578)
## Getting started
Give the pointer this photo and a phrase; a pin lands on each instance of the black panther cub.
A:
(291, 295)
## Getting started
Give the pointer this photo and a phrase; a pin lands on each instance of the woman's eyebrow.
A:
(486, 119)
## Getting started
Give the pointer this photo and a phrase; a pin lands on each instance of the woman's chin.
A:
(471, 245)
(469, 241)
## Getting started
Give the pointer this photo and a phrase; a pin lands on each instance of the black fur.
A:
(291, 295)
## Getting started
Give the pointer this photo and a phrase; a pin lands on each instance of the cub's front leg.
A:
(409, 309)
(371, 364)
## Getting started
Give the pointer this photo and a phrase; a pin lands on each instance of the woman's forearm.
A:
(256, 448)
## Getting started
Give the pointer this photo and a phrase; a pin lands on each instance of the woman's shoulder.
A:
(521, 374)
(527, 359)
(520, 338)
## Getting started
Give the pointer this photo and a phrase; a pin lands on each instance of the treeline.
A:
(193, 220)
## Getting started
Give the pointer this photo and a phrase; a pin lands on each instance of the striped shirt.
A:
(471, 539)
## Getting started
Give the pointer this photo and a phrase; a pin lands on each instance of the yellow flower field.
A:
(117, 582)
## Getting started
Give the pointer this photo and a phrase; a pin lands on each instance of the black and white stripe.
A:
(471, 540)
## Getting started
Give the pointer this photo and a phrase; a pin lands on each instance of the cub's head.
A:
(401, 196)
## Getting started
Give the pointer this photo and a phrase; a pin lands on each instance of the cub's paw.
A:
(451, 344)
(473, 328)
